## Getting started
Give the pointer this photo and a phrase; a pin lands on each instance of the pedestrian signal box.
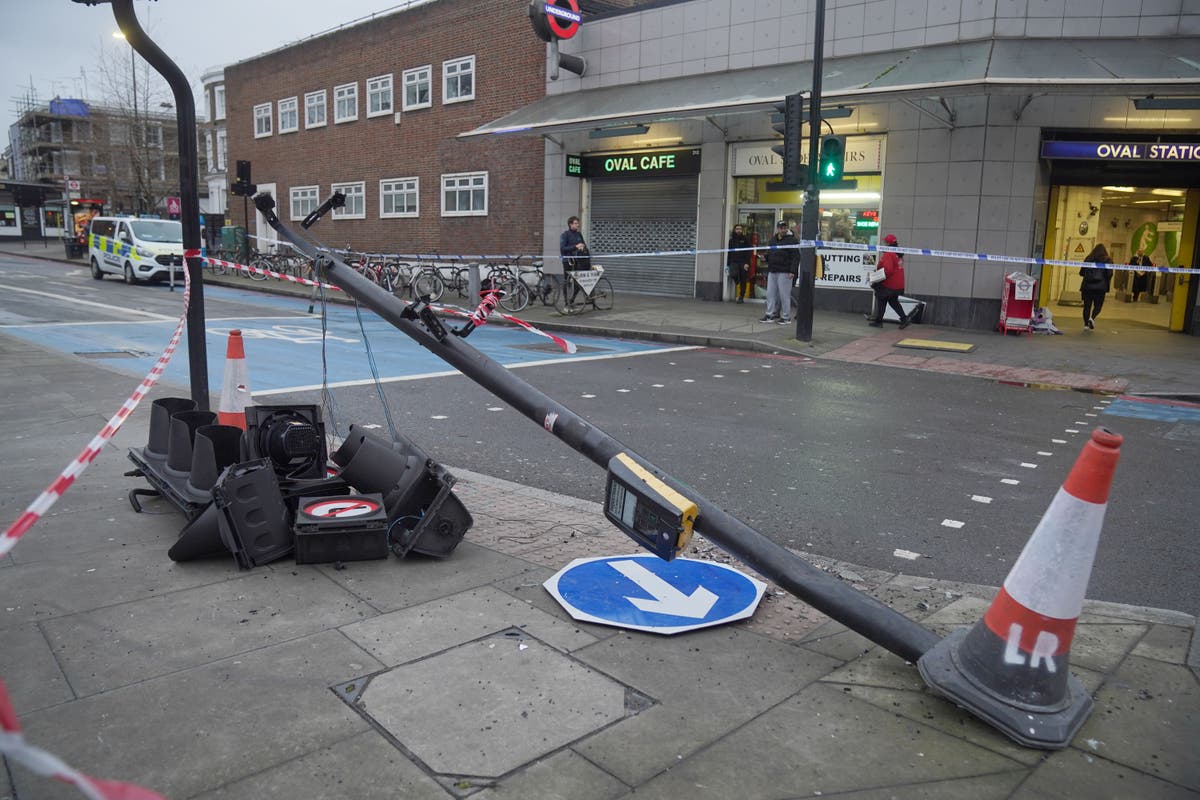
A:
(651, 513)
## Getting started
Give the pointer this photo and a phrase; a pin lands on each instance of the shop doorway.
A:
(1158, 222)
(759, 222)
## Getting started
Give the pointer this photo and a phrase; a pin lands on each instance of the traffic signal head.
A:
(832, 159)
(792, 109)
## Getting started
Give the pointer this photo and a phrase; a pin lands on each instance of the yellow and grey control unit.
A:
(651, 513)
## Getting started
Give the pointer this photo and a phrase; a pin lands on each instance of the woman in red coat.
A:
(888, 290)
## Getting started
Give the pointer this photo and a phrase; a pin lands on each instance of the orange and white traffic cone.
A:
(235, 387)
(1011, 669)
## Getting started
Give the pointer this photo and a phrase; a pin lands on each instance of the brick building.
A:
(374, 110)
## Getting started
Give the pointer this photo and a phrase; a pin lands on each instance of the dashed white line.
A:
(980, 498)
(909, 554)
(624, 391)
(1010, 481)
(1058, 441)
(1044, 453)
(1027, 465)
(952, 523)
(1070, 430)
(439, 416)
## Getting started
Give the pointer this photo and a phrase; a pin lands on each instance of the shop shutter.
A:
(647, 215)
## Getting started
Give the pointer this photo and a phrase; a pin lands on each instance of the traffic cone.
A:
(1011, 669)
(235, 387)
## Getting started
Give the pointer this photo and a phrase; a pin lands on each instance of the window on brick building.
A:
(305, 200)
(345, 103)
(379, 96)
(221, 150)
(356, 200)
(398, 197)
(464, 194)
(417, 83)
(458, 80)
(314, 109)
(218, 102)
(289, 116)
(262, 120)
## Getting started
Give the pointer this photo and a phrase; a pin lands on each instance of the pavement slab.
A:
(563, 776)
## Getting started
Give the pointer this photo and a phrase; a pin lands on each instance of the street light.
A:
(134, 161)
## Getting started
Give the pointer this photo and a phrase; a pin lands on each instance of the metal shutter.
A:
(638, 216)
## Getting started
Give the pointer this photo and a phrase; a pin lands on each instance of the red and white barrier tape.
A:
(38, 508)
(566, 345)
(40, 762)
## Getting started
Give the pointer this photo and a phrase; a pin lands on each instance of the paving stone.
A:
(31, 675)
(987, 787)
(412, 633)
(1167, 643)
(1147, 718)
(196, 730)
(562, 776)
(363, 767)
(1076, 775)
(130, 642)
(491, 706)
(1101, 647)
(879, 668)
(820, 735)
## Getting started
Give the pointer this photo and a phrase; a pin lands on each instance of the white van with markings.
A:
(137, 249)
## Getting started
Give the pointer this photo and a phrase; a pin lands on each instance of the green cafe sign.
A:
(646, 163)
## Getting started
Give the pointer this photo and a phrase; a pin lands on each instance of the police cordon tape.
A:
(804, 244)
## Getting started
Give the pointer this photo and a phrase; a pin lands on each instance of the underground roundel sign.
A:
(555, 19)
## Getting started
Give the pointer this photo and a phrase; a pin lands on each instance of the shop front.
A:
(1138, 197)
(847, 215)
(642, 203)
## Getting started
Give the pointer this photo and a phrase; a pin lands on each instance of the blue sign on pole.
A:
(643, 592)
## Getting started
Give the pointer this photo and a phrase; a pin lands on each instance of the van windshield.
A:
(158, 230)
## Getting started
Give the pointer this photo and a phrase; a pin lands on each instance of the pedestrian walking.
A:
(888, 290)
(783, 264)
(737, 259)
(1094, 285)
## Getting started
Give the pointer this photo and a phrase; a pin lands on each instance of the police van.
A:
(137, 249)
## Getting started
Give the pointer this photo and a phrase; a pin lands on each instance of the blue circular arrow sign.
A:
(643, 592)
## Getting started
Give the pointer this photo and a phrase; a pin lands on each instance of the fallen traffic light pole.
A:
(649, 485)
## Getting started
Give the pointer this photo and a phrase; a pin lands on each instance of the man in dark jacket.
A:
(738, 261)
(783, 264)
(574, 254)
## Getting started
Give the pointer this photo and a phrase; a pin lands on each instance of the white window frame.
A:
(209, 163)
(291, 107)
(312, 101)
(308, 196)
(354, 191)
(414, 78)
(380, 87)
(399, 186)
(459, 182)
(219, 102)
(340, 93)
(262, 114)
(222, 150)
(452, 72)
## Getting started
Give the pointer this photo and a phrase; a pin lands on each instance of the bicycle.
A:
(543, 287)
(427, 282)
(599, 296)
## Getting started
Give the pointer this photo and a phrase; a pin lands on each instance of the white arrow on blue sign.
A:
(644, 593)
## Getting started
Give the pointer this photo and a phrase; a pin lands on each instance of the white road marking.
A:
(688, 380)
(447, 373)
(90, 304)
(1044, 453)
(1089, 414)
(952, 523)
(1010, 481)
(1078, 422)
(587, 396)
(1027, 465)
(1070, 430)
(979, 498)
(624, 391)
(909, 554)
(495, 408)
(439, 416)
(1058, 441)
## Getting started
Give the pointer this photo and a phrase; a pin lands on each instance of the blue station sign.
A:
(1123, 151)
(643, 592)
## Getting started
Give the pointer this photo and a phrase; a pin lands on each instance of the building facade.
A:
(373, 110)
(214, 147)
(1026, 130)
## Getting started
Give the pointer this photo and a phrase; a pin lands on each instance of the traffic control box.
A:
(1019, 303)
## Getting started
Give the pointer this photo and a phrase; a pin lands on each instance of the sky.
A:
(54, 44)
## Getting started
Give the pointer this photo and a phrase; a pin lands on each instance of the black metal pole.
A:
(812, 207)
(856, 610)
(189, 200)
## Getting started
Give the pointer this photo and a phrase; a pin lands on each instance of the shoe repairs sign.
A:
(844, 269)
